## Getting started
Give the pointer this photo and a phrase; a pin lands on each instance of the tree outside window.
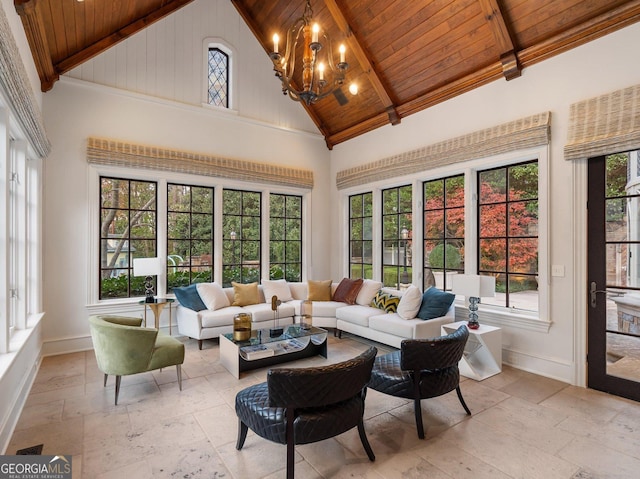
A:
(241, 229)
(127, 231)
(361, 236)
(189, 235)
(508, 233)
(396, 236)
(285, 246)
(443, 231)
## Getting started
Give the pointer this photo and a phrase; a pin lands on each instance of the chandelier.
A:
(320, 75)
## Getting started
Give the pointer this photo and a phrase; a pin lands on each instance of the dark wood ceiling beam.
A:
(508, 58)
(257, 32)
(101, 45)
(364, 61)
(37, 38)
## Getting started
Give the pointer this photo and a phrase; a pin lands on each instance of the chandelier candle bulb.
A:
(314, 33)
(342, 53)
(276, 40)
(321, 70)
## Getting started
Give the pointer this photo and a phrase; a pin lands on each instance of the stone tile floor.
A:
(523, 426)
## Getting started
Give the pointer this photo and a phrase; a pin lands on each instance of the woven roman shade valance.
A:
(117, 153)
(15, 82)
(516, 135)
(605, 124)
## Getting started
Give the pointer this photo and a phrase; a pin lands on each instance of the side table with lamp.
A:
(150, 267)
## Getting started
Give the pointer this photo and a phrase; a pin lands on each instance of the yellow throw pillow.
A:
(319, 290)
(245, 294)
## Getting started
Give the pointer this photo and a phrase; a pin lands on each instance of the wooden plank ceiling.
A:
(404, 55)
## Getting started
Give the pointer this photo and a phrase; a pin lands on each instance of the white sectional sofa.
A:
(360, 318)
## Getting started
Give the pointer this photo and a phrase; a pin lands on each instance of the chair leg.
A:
(291, 443)
(365, 441)
(118, 378)
(179, 371)
(200, 344)
(242, 434)
(464, 405)
(418, 411)
(105, 380)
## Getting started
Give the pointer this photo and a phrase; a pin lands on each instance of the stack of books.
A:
(256, 351)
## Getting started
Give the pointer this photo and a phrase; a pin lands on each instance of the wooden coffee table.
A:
(261, 350)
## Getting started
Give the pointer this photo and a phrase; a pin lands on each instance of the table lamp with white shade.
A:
(148, 267)
(473, 287)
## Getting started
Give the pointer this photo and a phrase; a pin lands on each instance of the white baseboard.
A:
(543, 366)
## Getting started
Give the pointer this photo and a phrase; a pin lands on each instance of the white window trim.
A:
(499, 316)
(221, 44)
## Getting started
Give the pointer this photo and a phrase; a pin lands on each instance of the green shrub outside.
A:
(437, 257)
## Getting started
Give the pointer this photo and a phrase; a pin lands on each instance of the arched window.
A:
(218, 87)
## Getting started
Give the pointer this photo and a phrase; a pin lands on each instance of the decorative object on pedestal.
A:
(276, 330)
(307, 68)
(148, 267)
(306, 314)
(242, 327)
(473, 287)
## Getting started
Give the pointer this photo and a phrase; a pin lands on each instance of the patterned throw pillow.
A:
(385, 301)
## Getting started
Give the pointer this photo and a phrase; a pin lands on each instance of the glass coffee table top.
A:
(293, 331)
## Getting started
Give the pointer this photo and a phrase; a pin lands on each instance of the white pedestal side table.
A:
(482, 356)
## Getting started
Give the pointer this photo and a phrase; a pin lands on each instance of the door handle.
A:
(593, 290)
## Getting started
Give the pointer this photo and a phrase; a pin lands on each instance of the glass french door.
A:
(613, 286)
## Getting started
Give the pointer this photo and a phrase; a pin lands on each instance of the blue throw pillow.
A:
(189, 298)
(435, 303)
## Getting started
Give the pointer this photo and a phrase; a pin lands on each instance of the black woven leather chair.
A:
(301, 406)
(422, 369)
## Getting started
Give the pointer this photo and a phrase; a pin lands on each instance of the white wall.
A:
(166, 60)
(596, 68)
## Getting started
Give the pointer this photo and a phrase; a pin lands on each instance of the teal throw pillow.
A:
(387, 302)
(435, 303)
(189, 298)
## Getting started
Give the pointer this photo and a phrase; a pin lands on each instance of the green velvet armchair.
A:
(122, 347)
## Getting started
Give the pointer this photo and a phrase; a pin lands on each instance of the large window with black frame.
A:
(508, 233)
(361, 235)
(128, 215)
(396, 236)
(241, 231)
(285, 237)
(189, 235)
(443, 202)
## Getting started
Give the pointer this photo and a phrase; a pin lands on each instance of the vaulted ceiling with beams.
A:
(404, 55)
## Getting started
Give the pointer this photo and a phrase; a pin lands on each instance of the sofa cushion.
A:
(410, 303)
(319, 290)
(219, 317)
(435, 303)
(188, 297)
(394, 324)
(213, 296)
(347, 290)
(279, 288)
(368, 291)
(245, 294)
(385, 301)
(356, 314)
(263, 312)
